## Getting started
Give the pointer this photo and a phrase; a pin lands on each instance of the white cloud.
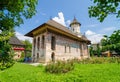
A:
(93, 37)
(22, 37)
(92, 25)
(89, 33)
(108, 29)
(60, 19)
(68, 23)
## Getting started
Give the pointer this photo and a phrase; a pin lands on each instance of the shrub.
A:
(4, 65)
(60, 67)
(118, 60)
(21, 60)
(6, 55)
(100, 60)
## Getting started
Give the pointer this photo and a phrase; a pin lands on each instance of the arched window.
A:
(43, 41)
(53, 43)
(34, 42)
(69, 49)
(65, 49)
(38, 43)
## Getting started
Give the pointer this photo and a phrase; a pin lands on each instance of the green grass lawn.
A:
(82, 73)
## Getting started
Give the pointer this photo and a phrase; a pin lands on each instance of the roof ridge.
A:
(56, 22)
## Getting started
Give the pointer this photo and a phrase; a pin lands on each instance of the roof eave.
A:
(30, 34)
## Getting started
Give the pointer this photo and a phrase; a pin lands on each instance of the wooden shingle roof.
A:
(59, 27)
(15, 41)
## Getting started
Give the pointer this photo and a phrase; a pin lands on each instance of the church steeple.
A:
(75, 26)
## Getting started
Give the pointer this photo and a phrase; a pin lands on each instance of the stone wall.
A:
(65, 48)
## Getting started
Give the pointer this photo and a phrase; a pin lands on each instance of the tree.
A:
(91, 51)
(12, 13)
(102, 8)
(28, 44)
(28, 48)
(112, 43)
(5, 55)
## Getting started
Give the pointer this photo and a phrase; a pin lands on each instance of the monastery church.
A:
(53, 41)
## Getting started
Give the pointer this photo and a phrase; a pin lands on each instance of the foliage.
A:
(6, 55)
(112, 43)
(12, 13)
(22, 55)
(100, 60)
(28, 44)
(95, 52)
(28, 48)
(91, 51)
(21, 60)
(81, 73)
(102, 8)
(98, 51)
(60, 67)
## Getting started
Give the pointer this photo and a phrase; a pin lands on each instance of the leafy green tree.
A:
(12, 13)
(102, 8)
(28, 44)
(98, 51)
(91, 51)
(112, 43)
(28, 48)
(6, 55)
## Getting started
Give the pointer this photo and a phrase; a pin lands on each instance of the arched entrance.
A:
(53, 57)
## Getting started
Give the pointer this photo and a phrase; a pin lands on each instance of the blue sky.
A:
(63, 11)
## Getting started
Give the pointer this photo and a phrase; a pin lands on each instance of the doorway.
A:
(53, 57)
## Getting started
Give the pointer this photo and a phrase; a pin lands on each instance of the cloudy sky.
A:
(63, 11)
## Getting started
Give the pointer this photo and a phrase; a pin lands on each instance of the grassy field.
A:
(82, 73)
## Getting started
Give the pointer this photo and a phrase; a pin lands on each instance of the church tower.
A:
(75, 26)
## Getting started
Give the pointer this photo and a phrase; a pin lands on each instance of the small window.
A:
(69, 49)
(43, 42)
(65, 49)
(38, 43)
(73, 29)
(34, 42)
(77, 49)
(53, 43)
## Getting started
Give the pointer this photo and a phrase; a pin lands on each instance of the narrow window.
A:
(43, 41)
(76, 48)
(34, 42)
(38, 43)
(73, 29)
(53, 43)
(65, 49)
(69, 49)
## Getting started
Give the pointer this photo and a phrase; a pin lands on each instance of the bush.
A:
(21, 60)
(60, 67)
(100, 60)
(4, 65)
(6, 55)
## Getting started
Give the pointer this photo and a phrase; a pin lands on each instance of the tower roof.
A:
(74, 22)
